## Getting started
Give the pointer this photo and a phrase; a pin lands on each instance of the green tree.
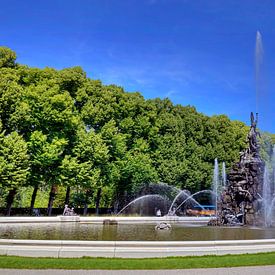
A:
(45, 158)
(7, 57)
(92, 155)
(14, 164)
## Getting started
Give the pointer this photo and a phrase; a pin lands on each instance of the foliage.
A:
(61, 128)
(7, 57)
(13, 161)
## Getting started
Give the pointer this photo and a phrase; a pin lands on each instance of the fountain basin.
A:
(189, 236)
(124, 249)
(101, 219)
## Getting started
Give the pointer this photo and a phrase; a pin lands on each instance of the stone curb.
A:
(130, 249)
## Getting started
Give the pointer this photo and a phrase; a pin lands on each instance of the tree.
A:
(7, 57)
(45, 158)
(91, 158)
(10, 95)
(14, 164)
(104, 141)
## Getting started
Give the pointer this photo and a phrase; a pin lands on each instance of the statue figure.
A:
(68, 211)
(163, 226)
(252, 136)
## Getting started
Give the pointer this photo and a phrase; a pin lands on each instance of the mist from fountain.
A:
(191, 197)
(215, 184)
(268, 196)
(223, 175)
(187, 198)
(273, 166)
(259, 52)
(140, 200)
(164, 192)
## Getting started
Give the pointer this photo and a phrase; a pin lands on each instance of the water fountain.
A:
(249, 191)
(268, 197)
(259, 53)
(246, 191)
(154, 201)
(159, 200)
(216, 184)
(245, 183)
(180, 198)
(223, 175)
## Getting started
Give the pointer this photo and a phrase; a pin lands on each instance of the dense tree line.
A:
(60, 130)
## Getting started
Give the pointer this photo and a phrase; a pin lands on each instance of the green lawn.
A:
(151, 263)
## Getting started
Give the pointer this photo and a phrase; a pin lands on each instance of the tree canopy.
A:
(60, 129)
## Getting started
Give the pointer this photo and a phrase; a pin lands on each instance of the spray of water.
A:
(223, 175)
(268, 197)
(259, 52)
(191, 197)
(273, 167)
(140, 200)
(215, 184)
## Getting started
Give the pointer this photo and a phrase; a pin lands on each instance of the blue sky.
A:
(196, 52)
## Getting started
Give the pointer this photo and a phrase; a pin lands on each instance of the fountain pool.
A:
(87, 231)
(128, 237)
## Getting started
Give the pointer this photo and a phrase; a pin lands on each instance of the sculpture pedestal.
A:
(69, 218)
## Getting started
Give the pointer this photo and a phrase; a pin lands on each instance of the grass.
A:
(150, 263)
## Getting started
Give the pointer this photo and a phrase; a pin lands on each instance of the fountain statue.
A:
(241, 199)
(68, 211)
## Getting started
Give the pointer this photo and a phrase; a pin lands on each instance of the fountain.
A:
(268, 197)
(223, 175)
(249, 191)
(155, 200)
(215, 185)
(159, 201)
(259, 52)
(173, 209)
(242, 196)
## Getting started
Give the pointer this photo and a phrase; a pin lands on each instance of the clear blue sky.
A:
(196, 52)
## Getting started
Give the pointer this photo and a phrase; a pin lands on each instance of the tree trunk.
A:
(10, 199)
(51, 199)
(97, 202)
(67, 199)
(34, 193)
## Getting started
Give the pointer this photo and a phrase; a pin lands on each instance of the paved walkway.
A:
(267, 270)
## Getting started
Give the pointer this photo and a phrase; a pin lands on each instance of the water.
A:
(259, 52)
(191, 197)
(268, 196)
(163, 197)
(273, 166)
(129, 232)
(146, 201)
(187, 198)
(223, 175)
(215, 184)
